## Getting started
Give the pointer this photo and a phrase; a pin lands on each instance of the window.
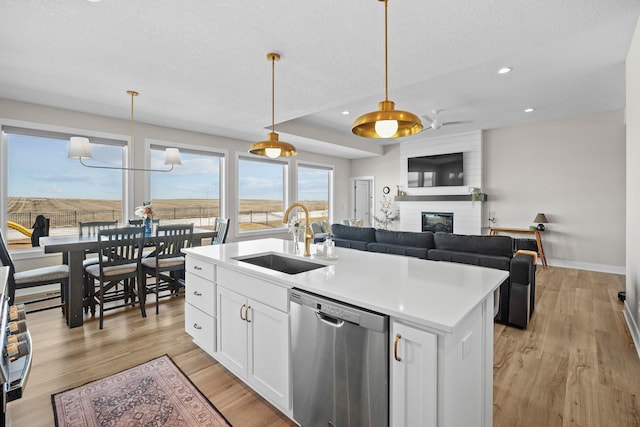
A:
(261, 194)
(314, 190)
(189, 193)
(41, 179)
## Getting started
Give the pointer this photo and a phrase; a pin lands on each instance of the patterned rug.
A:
(155, 393)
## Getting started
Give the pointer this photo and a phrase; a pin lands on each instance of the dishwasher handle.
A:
(328, 320)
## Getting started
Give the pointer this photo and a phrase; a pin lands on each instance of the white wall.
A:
(386, 172)
(38, 114)
(632, 303)
(467, 215)
(573, 170)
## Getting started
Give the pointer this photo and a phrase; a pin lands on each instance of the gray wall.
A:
(632, 303)
(573, 170)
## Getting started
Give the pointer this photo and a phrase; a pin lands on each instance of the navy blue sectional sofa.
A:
(517, 293)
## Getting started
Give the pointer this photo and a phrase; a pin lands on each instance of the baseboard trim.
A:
(603, 268)
(633, 328)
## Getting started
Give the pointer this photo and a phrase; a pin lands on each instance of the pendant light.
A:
(80, 148)
(272, 147)
(386, 122)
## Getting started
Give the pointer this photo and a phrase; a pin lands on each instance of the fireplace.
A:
(437, 221)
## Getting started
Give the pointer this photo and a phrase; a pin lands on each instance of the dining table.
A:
(73, 248)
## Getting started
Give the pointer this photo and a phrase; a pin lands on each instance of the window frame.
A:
(331, 183)
(56, 132)
(287, 178)
(222, 154)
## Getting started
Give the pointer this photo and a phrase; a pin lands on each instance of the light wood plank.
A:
(575, 365)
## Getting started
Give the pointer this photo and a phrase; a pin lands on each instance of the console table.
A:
(536, 233)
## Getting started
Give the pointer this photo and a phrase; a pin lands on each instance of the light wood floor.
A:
(574, 366)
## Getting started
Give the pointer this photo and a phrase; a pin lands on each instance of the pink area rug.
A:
(155, 393)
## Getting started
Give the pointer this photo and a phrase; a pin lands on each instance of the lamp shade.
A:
(172, 156)
(79, 148)
(541, 219)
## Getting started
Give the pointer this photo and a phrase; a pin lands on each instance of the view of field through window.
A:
(67, 193)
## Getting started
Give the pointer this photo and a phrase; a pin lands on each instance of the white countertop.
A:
(431, 293)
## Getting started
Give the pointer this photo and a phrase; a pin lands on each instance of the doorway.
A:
(362, 199)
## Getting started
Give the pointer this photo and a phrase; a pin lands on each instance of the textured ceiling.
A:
(201, 65)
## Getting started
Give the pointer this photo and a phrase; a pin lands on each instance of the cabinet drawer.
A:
(201, 268)
(201, 293)
(201, 327)
(263, 291)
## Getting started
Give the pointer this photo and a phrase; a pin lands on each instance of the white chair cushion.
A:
(114, 270)
(43, 274)
(150, 262)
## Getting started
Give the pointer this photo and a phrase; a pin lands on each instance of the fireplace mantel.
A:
(440, 198)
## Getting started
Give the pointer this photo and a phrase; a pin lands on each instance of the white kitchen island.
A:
(441, 324)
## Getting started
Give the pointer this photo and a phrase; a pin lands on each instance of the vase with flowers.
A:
(145, 212)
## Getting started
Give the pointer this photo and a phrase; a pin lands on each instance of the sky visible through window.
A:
(39, 167)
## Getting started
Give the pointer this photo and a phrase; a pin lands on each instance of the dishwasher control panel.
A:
(339, 310)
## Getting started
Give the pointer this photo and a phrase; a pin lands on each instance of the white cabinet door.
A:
(268, 369)
(413, 377)
(232, 331)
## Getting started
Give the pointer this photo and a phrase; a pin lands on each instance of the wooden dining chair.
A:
(91, 228)
(166, 264)
(117, 278)
(58, 274)
(222, 228)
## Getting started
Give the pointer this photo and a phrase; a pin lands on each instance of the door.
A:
(413, 377)
(362, 200)
(232, 331)
(268, 366)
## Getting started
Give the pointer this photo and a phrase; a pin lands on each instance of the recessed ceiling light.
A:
(529, 110)
(345, 113)
(95, 1)
(505, 70)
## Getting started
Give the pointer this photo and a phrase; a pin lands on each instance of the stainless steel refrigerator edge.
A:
(340, 363)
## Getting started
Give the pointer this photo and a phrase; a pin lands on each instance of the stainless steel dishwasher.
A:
(340, 363)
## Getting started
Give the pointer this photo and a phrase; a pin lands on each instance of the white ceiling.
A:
(201, 65)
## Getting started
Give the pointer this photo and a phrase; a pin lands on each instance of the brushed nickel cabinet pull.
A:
(195, 267)
(196, 326)
(243, 316)
(196, 293)
(246, 314)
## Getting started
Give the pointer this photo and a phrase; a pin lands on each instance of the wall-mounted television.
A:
(435, 171)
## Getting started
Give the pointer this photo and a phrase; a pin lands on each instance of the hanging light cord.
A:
(132, 93)
(386, 53)
(273, 93)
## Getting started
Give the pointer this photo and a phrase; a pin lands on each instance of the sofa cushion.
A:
(491, 261)
(406, 238)
(347, 232)
(351, 244)
(486, 245)
(387, 248)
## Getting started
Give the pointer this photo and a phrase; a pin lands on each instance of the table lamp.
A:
(541, 219)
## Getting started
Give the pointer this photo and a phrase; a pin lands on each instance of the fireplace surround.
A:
(437, 221)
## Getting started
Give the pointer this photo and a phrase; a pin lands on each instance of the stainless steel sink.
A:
(281, 263)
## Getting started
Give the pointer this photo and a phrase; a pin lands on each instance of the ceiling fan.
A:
(436, 124)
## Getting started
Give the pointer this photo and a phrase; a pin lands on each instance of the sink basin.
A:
(281, 263)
